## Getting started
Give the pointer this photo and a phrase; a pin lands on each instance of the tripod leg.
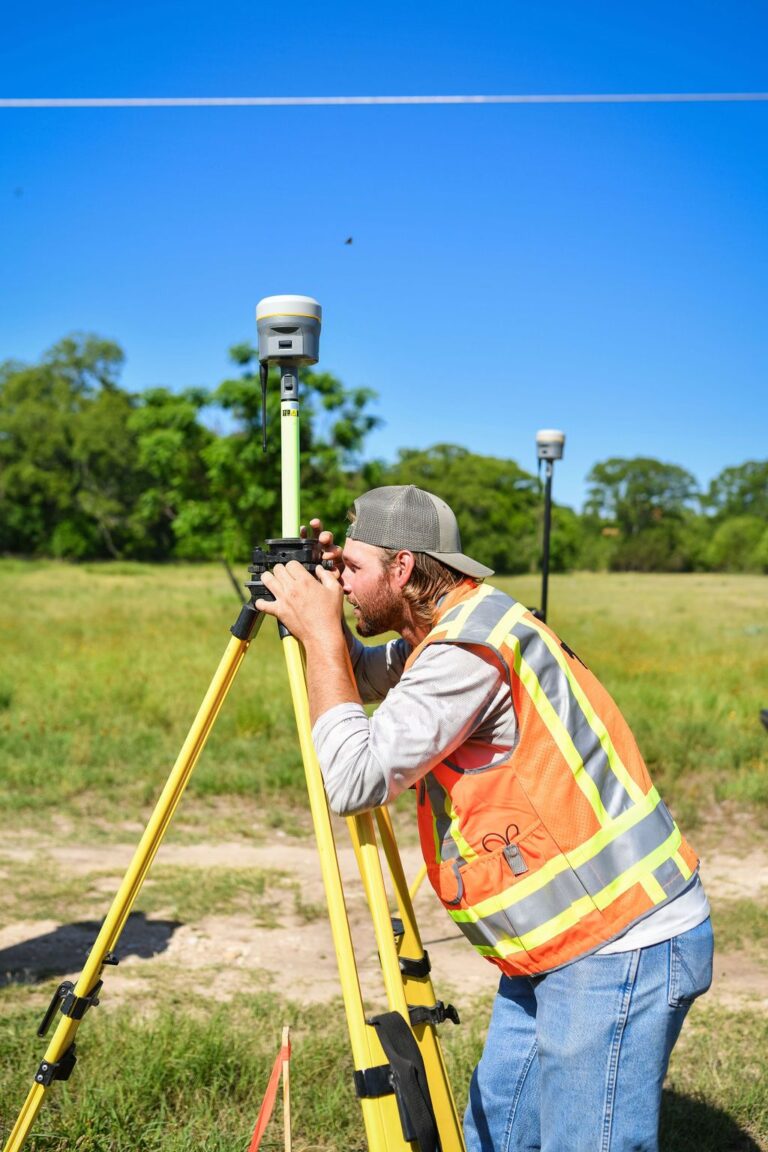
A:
(59, 1057)
(419, 992)
(405, 964)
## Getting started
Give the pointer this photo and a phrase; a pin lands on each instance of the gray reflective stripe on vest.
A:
(668, 876)
(555, 685)
(519, 914)
(480, 621)
(446, 846)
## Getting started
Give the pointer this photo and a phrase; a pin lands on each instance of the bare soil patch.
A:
(223, 955)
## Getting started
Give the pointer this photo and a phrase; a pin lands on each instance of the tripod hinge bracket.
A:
(416, 968)
(246, 622)
(50, 1070)
(65, 1001)
(374, 1081)
(437, 1014)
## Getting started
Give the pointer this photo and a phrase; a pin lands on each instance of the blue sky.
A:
(597, 268)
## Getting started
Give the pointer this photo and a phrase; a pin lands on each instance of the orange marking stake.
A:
(281, 1065)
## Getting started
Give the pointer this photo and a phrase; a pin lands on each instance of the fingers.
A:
(316, 527)
(324, 538)
(279, 581)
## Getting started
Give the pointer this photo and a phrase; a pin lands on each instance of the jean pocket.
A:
(690, 964)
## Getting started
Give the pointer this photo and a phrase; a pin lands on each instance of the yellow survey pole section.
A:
(419, 991)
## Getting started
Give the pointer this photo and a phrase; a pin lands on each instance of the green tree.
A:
(735, 545)
(639, 493)
(107, 486)
(740, 491)
(44, 476)
(495, 501)
(171, 443)
(648, 508)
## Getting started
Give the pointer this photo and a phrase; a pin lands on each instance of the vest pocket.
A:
(497, 898)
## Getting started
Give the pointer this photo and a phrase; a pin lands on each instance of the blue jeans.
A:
(574, 1060)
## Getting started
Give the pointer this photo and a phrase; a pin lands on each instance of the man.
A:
(542, 832)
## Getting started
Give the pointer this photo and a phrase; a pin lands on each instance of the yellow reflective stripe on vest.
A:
(581, 908)
(449, 632)
(654, 891)
(501, 631)
(634, 874)
(558, 731)
(615, 762)
(684, 869)
(527, 885)
(453, 628)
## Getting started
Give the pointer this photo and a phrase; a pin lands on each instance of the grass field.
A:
(103, 669)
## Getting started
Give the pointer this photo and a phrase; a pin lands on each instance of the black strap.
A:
(409, 1079)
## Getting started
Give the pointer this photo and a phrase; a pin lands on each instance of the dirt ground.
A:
(296, 957)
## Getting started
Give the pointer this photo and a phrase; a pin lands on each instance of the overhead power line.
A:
(303, 101)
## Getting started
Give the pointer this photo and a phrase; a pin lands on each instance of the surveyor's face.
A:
(371, 590)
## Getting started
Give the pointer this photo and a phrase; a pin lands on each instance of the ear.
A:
(401, 568)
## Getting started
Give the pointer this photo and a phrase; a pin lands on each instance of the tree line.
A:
(89, 470)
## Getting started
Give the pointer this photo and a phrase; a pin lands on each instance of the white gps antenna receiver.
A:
(289, 335)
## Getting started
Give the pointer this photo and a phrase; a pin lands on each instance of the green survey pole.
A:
(290, 454)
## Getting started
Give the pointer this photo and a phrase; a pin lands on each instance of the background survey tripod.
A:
(400, 1076)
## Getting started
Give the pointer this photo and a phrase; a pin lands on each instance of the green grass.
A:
(103, 670)
(105, 666)
(174, 1081)
(102, 676)
(743, 924)
(716, 1099)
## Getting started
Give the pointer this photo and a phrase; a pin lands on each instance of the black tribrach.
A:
(308, 553)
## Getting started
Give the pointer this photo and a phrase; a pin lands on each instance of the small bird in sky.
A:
(348, 240)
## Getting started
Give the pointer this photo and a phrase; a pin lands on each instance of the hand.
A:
(331, 551)
(308, 606)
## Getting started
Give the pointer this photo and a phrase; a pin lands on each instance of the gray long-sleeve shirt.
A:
(453, 701)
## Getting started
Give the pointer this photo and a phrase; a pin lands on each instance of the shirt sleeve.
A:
(437, 704)
(377, 668)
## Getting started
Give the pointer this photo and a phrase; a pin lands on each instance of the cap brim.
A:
(461, 563)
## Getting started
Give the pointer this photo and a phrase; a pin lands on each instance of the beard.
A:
(382, 611)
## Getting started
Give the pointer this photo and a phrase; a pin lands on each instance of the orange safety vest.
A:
(560, 847)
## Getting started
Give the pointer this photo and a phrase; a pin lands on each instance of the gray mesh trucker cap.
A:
(403, 516)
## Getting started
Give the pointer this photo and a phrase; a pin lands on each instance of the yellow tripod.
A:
(400, 1075)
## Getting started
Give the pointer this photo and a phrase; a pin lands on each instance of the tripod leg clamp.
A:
(437, 1014)
(409, 966)
(416, 968)
(65, 1001)
(58, 1070)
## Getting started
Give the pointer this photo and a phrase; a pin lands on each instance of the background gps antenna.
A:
(549, 447)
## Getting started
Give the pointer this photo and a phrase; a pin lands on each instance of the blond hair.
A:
(429, 580)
